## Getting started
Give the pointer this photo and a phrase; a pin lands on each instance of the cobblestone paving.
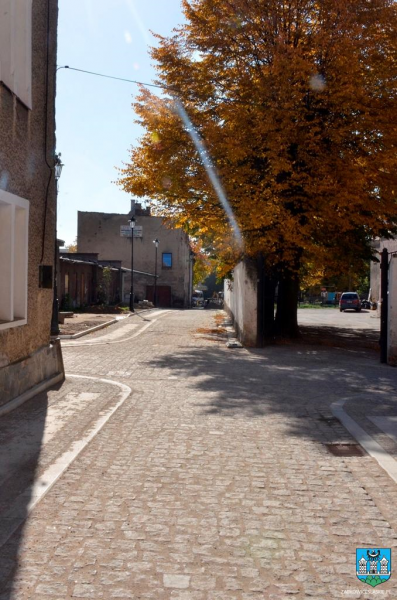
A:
(212, 481)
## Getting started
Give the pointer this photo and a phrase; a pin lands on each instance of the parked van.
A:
(350, 300)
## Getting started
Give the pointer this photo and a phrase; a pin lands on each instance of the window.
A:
(167, 260)
(14, 218)
(16, 48)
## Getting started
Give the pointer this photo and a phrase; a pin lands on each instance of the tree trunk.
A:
(286, 323)
(266, 295)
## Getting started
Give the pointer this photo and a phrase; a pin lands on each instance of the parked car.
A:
(350, 300)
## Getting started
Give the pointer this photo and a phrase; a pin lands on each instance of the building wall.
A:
(392, 313)
(24, 173)
(100, 233)
(240, 302)
(81, 284)
(378, 245)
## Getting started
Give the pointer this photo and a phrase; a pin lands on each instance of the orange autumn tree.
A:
(202, 263)
(294, 103)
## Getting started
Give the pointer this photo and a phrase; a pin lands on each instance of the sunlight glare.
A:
(139, 22)
(210, 169)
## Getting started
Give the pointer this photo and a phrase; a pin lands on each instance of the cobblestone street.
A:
(210, 480)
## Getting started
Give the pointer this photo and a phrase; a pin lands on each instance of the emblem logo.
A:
(373, 565)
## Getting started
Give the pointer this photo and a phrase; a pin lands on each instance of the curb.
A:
(98, 342)
(31, 496)
(40, 387)
(383, 458)
(75, 336)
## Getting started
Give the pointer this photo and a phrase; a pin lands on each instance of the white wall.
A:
(14, 219)
(392, 316)
(241, 302)
(378, 245)
(16, 47)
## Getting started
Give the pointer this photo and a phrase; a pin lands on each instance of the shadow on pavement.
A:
(21, 436)
(340, 337)
(298, 383)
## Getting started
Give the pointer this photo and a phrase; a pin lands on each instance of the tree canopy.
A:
(295, 103)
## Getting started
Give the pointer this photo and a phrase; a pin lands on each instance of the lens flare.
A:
(210, 169)
(198, 142)
(166, 183)
(317, 83)
(139, 22)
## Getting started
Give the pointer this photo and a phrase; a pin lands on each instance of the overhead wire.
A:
(164, 87)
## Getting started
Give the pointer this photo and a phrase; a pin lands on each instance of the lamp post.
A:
(58, 165)
(156, 244)
(132, 225)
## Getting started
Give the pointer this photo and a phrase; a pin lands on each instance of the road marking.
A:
(31, 496)
(104, 343)
(118, 333)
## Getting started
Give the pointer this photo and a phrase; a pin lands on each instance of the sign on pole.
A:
(125, 231)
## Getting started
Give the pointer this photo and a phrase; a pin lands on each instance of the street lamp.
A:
(132, 225)
(156, 243)
(58, 165)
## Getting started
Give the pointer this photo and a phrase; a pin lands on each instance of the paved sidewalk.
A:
(212, 481)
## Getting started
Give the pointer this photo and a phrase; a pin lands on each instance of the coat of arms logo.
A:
(373, 565)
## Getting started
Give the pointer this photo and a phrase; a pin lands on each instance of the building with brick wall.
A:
(28, 43)
(109, 236)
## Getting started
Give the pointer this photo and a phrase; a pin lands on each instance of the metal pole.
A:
(132, 272)
(384, 310)
(55, 301)
(155, 278)
(188, 289)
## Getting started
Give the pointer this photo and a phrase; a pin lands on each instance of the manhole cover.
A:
(345, 450)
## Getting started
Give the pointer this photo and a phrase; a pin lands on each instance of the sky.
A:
(95, 120)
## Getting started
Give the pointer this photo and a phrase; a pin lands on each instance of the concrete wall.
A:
(43, 364)
(24, 173)
(241, 302)
(100, 233)
(378, 245)
(392, 314)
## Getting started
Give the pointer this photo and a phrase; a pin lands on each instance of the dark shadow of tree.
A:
(296, 381)
(21, 436)
(342, 337)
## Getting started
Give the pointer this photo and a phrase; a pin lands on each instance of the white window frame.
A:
(16, 48)
(14, 232)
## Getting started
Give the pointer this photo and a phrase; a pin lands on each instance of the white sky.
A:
(95, 121)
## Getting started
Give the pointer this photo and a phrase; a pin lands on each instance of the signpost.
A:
(125, 231)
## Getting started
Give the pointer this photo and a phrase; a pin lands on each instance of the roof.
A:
(98, 264)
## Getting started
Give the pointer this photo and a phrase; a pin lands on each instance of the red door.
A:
(163, 295)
